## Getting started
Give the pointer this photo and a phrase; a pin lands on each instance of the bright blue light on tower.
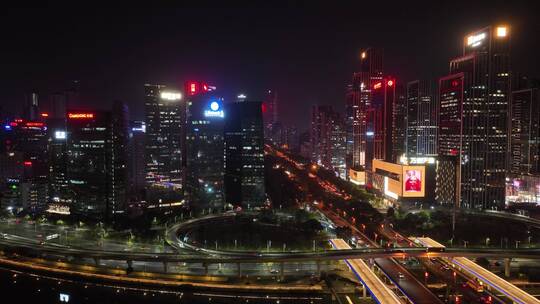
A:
(214, 111)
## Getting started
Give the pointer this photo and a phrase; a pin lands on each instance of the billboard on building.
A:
(413, 181)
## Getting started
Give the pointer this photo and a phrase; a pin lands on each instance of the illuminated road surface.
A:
(369, 279)
(487, 277)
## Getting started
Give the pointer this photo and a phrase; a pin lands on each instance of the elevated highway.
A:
(378, 290)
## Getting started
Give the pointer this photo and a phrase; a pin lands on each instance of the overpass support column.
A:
(165, 266)
(239, 270)
(96, 260)
(507, 262)
(281, 271)
(129, 263)
(205, 268)
(318, 268)
(364, 294)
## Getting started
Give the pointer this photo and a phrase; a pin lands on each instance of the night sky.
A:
(306, 52)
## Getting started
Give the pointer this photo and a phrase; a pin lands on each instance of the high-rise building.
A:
(205, 149)
(328, 139)
(358, 100)
(136, 159)
(524, 132)
(165, 124)
(96, 162)
(399, 123)
(244, 154)
(421, 119)
(270, 112)
(24, 163)
(60, 196)
(379, 121)
(485, 70)
(31, 107)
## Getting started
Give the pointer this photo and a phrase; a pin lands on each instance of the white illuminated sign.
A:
(171, 95)
(64, 298)
(422, 160)
(60, 134)
(475, 40)
(214, 111)
(370, 133)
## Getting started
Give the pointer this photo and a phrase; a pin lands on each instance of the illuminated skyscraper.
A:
(25, 163)
(270, 113)
(97, 162)
(328, 139)
(165, 121)
(205, 150)
(136, 158)
(358, 100)
(483, 73)
(244, 154)
(525, 132)
(421, 119)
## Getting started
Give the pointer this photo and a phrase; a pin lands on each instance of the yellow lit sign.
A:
(502, 31)
(363, 55)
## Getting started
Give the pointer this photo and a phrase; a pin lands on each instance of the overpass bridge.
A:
(483, 275)
(377, 288)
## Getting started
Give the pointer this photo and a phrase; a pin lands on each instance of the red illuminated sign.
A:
(18, 120)
(34, 124)
(44, 114)
(390, 83)
(80, 115)
(413, 181)
(13, 124)
(377, 86)
(455, 83)
(28, 163)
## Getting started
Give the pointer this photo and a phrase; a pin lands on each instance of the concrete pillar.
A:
(205, 268)
(364, 294)
(129, 263)
(507, 262)
(318, 268)
(239, 270)
(96, 260)
(281, 271)
(165, 266)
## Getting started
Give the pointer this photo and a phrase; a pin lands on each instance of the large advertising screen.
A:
(413, 181)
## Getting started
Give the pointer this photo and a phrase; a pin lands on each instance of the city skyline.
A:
(284, 63)
(267, 154)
